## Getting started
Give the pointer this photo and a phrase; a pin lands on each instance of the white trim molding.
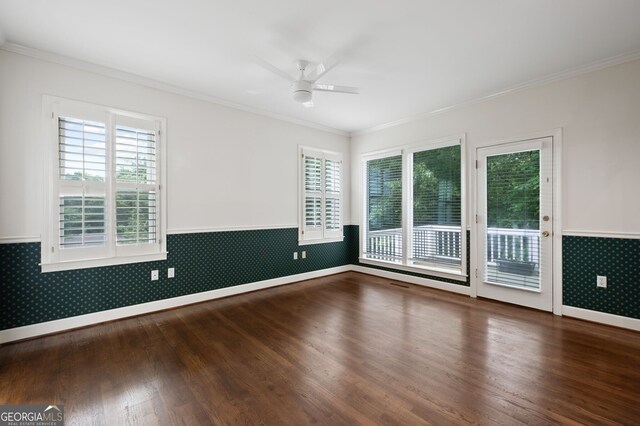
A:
(178, 231)
(556, 135)
(49, 327)
(228, 229)
(415, 269)
(15, 240)
(426, 282)
(601, 234)
(156, 84)
(601, 317)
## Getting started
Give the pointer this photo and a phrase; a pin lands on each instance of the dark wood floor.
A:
(345, 349)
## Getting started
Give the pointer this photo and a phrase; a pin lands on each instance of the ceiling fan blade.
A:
(335, 88)
(323, 68)
(269, 67)
(308, 104)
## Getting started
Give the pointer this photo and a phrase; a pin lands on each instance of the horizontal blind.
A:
(81, 150)
(384, 208)
(136, 185)
(513, 249)
(437, 210)
(82, 161)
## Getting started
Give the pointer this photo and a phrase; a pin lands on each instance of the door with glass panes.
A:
(515, 223)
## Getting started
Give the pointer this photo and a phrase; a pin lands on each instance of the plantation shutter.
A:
(436, 237)
(383, 234)
(321, 210)
(137, 186)
(333, 197)
(81, 188)
(312, 223)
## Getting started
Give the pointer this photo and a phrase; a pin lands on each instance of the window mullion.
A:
(323, 199)
(407, 189)
(111, 186)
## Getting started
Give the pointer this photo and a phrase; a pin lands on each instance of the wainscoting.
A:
(203, 262)
(583, 258)
(206, 262)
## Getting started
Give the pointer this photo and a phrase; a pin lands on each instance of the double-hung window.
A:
(105, 199)
(320, 196)
(413, 215)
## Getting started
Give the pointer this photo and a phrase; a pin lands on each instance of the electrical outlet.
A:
(171, 272)
(601, 281)
(154, 275)
(295, 255)
(304, 254)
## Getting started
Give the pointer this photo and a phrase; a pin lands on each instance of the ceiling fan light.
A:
(302, 96)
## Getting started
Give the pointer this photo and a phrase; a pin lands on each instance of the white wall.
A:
(226, 167)
(599, 114)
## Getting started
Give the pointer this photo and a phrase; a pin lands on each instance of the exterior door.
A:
(515, 223)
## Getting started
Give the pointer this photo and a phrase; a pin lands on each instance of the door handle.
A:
(545, 233)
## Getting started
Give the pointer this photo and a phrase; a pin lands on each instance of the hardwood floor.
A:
(345, 349)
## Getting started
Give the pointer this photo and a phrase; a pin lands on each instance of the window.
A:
(413, 209)
(105, 198)
(320, 196)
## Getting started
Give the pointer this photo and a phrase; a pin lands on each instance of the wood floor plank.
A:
(345, 349)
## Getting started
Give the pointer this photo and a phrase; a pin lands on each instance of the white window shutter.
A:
(81, 189)
(312, 193)
(136, 186)
(333, 197)
(321, 195)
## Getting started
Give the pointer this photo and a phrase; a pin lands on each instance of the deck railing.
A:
(436, 241)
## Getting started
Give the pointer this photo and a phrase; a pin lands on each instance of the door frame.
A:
(556, 136)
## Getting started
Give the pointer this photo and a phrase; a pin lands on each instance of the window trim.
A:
(52, 106)
(335, 236)
(406, 151)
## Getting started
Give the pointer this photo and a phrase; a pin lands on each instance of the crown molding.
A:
(156, 84)
(537, 82)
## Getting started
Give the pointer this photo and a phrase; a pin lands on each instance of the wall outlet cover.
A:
(304, 254)
(295, 255)
(171, 272)
(154, 275)
(601, 281)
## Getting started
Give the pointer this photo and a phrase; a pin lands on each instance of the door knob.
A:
(545, 233)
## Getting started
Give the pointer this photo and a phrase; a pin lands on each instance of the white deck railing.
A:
(435, 241)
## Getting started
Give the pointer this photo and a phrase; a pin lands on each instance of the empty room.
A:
(350, 212)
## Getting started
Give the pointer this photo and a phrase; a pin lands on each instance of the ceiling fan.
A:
(306, 84)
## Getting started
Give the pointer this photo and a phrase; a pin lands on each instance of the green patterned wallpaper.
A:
(203, 261)
(208, 261)
(354, 253)
(583, 258)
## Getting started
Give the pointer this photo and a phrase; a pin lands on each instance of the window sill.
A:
(320, 241)
(96, 263)
(416, 269)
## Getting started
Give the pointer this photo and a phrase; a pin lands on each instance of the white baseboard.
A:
(55, 326)
(440, 285)
(601, 317)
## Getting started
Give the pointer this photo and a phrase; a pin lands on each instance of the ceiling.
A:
(407, 57)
